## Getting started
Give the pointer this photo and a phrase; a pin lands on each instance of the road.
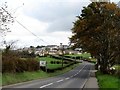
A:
(75, 78)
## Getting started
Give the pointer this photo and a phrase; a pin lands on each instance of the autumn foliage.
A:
(97, 31)
(12, 63)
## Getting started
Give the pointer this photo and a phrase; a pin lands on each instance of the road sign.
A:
(43, 63)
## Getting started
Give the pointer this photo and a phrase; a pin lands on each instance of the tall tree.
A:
(97, 31)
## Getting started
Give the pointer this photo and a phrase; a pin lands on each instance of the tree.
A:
(9, 46)
(5, 19)
(97, 31)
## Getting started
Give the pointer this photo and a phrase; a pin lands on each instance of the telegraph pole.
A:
(61, 47)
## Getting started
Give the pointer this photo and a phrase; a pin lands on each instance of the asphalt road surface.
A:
(75, 78)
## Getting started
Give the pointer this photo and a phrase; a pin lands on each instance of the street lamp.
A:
(62, 48)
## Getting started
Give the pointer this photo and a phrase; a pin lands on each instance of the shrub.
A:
(51, 62)
(65, 62)
(58, 62)
(32, 65)
(21, 66)
(12, 63)
(8, 66)
(9, 62)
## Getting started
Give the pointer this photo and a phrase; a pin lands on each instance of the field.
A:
(84, 55)
(49, 60)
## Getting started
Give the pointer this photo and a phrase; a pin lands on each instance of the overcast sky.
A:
(50, 20)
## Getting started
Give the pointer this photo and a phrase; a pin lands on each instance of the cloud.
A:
(50, 11)
(50, 20)
(59, 14)
(62, 24)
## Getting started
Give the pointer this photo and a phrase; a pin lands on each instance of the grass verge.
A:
(117, 67)
(108, 81)
(9, 78)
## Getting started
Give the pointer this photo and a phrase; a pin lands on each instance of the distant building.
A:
(41, 51)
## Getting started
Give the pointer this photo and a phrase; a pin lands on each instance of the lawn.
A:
(49, 65)
(84, 55)
(11, 78)
(108, 81)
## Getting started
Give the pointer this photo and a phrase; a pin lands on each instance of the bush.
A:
(58, 62)
(21, 66)
(51, 62)
(12, 64)
(65, 62)
(32, 65)
(8, 66)
(9, 62)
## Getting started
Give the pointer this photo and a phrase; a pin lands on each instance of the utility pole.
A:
(62, 48)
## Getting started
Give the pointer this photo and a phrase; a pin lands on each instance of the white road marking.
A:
(60, 80)
(82, 69)
(67, 78)
(46, 85)
(71, 76)
(78, 72)
(75, 74)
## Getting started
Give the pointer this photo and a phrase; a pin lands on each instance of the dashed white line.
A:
(46, 85)
(82, 69)
(67, 78)
(75, 74)
(60, 80)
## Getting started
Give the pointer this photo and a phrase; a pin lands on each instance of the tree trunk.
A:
(104, 65)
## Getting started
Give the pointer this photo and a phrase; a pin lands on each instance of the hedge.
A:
(12, 64)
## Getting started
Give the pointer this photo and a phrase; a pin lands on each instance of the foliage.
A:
(11, 62)
(97, 31)
(5, 19)
(26, 54)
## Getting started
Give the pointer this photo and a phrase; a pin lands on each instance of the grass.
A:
(12, 78)
(108, 81)
(84, 55)
(48, 59)
(49, 65)
(117, 67)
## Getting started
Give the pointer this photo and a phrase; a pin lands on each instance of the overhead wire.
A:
(24, 26)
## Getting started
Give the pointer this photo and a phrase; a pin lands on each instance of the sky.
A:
(49, 20)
